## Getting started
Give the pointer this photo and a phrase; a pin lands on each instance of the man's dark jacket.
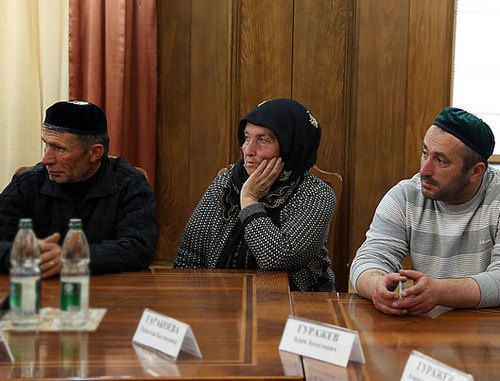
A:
(118, 214)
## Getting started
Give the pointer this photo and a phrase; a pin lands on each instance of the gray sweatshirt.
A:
(445, 241)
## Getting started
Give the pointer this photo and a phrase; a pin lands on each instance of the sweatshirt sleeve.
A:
(489, 280)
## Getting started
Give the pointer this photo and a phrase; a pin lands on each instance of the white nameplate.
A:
(165, 335)
(422, 367)
(325, 342)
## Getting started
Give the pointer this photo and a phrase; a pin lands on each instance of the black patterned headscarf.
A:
(297, 131)
(298, 135)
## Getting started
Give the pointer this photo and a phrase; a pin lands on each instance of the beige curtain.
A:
(113, 63)
(33, 74)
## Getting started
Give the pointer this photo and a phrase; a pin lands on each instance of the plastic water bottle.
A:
(25, 276)
(75, 276)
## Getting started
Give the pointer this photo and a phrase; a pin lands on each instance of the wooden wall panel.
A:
(322, 82)
(264, 66)
(401, 85)
(320, 60)
(209, 143)
(380, 97)
(173, 124)
(430, 53)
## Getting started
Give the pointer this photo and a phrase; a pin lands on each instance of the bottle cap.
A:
(25, 223)
(75, 223)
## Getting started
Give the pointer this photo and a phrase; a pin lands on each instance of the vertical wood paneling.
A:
(173, 124)
(209, 143)
(374, 93)
(429, 71)
(380, 97)
(265, 52)
(321, 81)
(319, 72)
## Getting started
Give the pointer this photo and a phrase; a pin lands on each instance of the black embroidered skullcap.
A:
(467, 127)
(76, 117)
(297, 131)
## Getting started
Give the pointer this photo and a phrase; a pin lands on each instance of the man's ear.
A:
(95, 152)
(478, 171)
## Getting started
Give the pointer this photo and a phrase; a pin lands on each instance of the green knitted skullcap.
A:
(471, 130)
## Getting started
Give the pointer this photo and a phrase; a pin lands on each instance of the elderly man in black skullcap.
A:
(77, 179)
(447, 217)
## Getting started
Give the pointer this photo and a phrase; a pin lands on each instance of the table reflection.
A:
(74, 347)
(25, 347)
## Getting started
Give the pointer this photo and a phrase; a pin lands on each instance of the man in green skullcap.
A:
(447, 217)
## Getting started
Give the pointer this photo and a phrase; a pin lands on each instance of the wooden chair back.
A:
(143, 171)
(221, 171)
(334, 180)
(20, 169)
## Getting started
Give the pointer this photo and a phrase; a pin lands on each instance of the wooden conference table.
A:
(468, 340)
(237, 319)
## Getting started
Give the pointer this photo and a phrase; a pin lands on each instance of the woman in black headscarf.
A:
(267, 211)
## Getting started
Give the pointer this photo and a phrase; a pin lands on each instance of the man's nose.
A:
(426, 168)
(48, 157)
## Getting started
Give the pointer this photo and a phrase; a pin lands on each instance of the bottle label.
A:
(74, 293)
(25, 294)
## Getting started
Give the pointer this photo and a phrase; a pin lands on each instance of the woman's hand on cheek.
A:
(260, 181)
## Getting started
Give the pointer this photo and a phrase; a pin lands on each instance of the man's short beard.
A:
(451, 191)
